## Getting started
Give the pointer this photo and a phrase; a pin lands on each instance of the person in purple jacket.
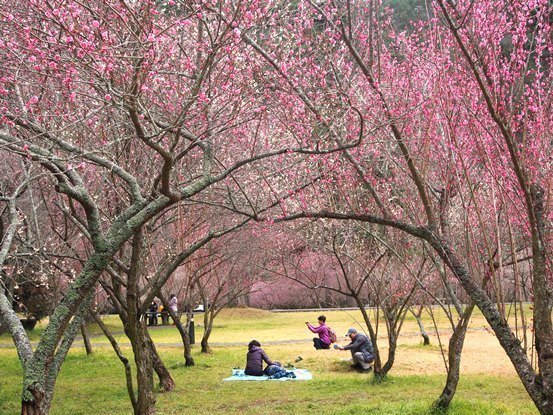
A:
(255, 358)
(323, 341)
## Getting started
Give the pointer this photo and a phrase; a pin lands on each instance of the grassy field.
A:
(95, 384)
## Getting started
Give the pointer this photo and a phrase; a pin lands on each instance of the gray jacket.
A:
(361, 344)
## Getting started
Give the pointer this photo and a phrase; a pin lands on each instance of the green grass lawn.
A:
(96, 385)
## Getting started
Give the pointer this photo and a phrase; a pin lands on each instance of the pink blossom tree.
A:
(129, 108)
(456, 110)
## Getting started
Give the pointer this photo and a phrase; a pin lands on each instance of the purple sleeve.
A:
(319, 329)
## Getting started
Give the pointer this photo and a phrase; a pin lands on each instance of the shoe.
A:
(355, 366)
(367, 370)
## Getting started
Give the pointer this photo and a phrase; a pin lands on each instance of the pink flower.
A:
(107, 97)
(96, 24)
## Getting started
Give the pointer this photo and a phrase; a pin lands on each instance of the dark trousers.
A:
(152, 319)
(318, 344)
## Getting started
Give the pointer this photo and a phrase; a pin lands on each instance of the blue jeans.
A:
(277, 372)
(272, 370)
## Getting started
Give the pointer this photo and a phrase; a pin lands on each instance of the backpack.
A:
(331, 335)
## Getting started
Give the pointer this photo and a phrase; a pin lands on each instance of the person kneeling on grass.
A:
(361, 349)
(254, 363)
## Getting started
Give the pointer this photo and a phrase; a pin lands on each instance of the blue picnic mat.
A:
(238, 375)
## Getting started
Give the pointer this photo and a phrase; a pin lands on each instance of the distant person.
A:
(361, 349)
(152, 314)
(323, 341)
(173, 303)
(164, 315)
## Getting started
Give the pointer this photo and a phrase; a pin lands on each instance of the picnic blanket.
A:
(238, 375)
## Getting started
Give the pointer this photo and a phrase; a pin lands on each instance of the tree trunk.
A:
(166, 382)
(542, 297)
(188, 359)
(454, 353)
(392, 343)
(205, 339)
(138, 335)
(34, 400)
(533, 383)
(122, 358)
(31, 408)
(424, 334)
(86, 340)
(208, 324)
(377, 364)
(144, 367)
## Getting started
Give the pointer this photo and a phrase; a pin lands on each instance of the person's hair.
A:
(172, 295)
(253, 343)
(322, 318)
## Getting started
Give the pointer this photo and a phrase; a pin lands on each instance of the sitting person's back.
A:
(255, 358)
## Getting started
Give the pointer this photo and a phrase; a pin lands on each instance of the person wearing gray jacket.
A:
(361, 349)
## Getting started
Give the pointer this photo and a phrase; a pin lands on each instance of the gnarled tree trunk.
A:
(205, 339)
(36, 405)
(138, 334)
(454, 353)
(188, 359)
(166, 382)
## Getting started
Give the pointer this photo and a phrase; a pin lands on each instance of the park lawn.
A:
(95, 384)
(241, 324)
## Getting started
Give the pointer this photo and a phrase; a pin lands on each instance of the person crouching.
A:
(323, 341)
(361, 349)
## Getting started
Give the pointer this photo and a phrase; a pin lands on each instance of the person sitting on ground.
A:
(323, 341)
(255, 358)
(254, 363)
(361, 349)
